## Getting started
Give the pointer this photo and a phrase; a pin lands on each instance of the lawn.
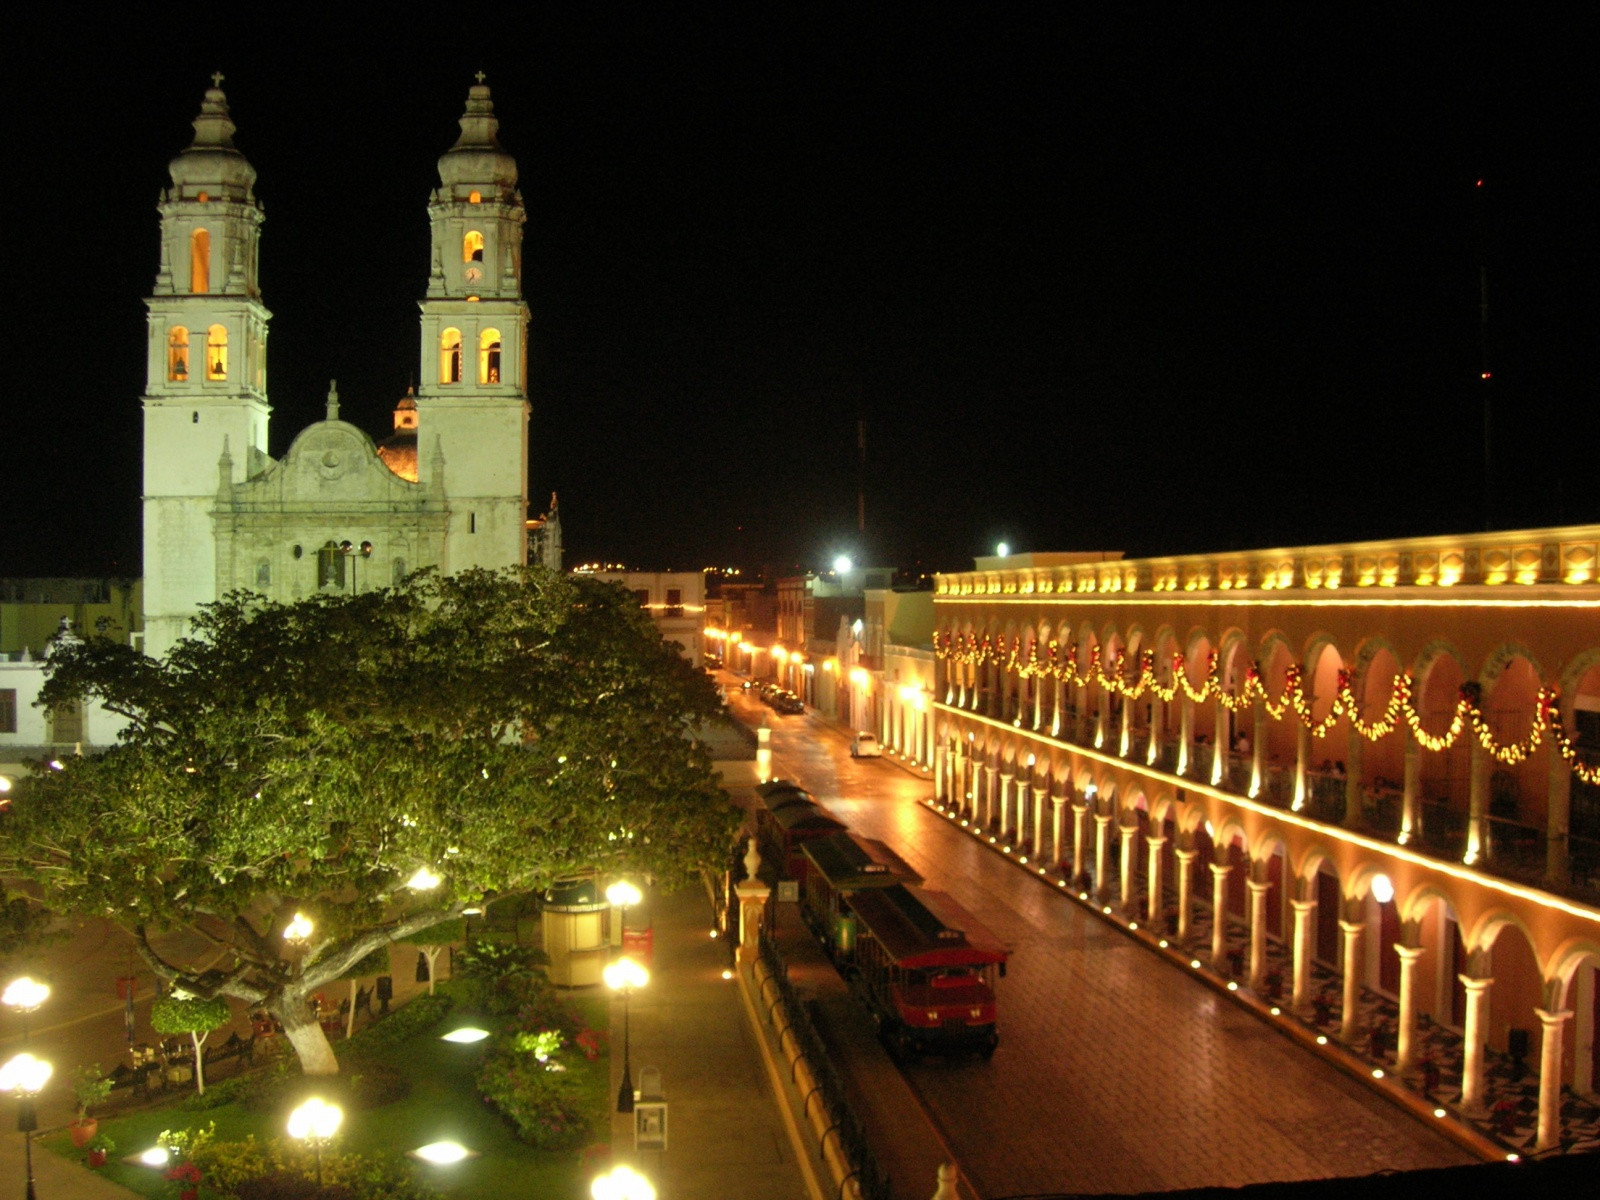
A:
(443, 1104)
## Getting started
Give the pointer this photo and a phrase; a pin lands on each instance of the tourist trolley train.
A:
(925, 967)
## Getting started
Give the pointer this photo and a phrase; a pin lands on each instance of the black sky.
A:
(1158, 281)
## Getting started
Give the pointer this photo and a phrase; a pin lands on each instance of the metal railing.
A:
(842, 1121)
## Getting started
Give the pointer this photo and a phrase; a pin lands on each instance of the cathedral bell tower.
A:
(472, 405)
(206, 389)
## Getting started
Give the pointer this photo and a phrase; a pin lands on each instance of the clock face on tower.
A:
(473, 273)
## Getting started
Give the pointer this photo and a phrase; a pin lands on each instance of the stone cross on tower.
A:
(216, 79)
(480, 77)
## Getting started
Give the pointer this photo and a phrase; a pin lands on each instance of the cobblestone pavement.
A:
(1116, 1071)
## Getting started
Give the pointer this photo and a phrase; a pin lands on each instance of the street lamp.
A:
(26, 1076)
(622, 1183)
(24, 996)
(623, 976)
(622, 896)
(315, 1121)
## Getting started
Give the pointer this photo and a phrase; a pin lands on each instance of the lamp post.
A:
(24, 996)
(623, 976)
(315, 1121)
(622, 1183)
(623, 896)
(26, 1076)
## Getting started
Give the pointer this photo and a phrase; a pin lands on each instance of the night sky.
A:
(1160, 281)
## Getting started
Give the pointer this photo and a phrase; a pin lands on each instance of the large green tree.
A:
(503, 730)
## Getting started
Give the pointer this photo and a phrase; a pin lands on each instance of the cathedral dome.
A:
(212, 161)
(477, 159)
(399, 449)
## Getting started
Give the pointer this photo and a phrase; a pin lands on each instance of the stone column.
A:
(991, 787)
(1102, 853)
(1406, 1035)
(1219, 913)
(1125, 741)
(1130, 868)
(1354, 815)
(1057, 701)
(763, 752)
(1155, 900)
(1258, 750)
(1350, 1018)
(941, 773)
(1477, 802)
(1554, 1024)
(1038, 702)
(1041, 793)
(1080, 835)
(1057, 821)
(1475, 1027)
(1102, 719)
(1185, 733)
(1305, 918)
(1557, 863)
(1005, 804)
(1411, 788)
(752, 894)
(1185, 891)
(1302, 760)
(1081, 734)
(1258, 931)
(1219, 742)
(1158, 729)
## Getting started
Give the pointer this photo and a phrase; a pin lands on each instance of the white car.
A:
(865, 745)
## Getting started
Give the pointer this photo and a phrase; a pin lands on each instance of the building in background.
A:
(448, 488)
(1365, 776)
(675, 600)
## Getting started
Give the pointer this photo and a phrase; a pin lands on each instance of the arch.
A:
(177, 354)
(450, 356)
(200, 262)
(489, 356)
(1503, 656)
(217, 352)
(263, 574)
(472, 247)
(474, 197)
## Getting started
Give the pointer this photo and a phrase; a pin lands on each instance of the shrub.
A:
(403, 1024)
(543, 1106)
(278, 1170)
(499, 976)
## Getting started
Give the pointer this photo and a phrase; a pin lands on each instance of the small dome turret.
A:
(211, 163)
(477, 160)
(399, 449)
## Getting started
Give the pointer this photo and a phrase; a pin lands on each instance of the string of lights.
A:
(1063, 664)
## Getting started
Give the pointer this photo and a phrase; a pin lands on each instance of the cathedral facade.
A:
(449, 488)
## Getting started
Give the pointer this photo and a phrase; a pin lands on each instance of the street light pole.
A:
(26, 1076)
(623, 976)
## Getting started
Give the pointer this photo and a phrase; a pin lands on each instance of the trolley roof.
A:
(806, 818)
(850, 862)
(920, 929)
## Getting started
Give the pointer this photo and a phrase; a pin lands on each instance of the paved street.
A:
(1115, 1071)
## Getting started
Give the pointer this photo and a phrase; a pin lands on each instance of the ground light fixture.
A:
(465, 1036)
(623, 976)
(622, 1183)
(315, 1121)
(25, 1076)
(443, 1154)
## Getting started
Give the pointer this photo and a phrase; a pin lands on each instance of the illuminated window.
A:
(202, 197)
(489, 356)
(178, 354)
(200, 262)
(674, 602)
(472, 247)
(474, 197)
(450, 356)
(217, 352)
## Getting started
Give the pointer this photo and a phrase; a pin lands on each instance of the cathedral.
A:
(448, 489)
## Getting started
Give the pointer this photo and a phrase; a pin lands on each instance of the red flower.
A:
(185, 1172)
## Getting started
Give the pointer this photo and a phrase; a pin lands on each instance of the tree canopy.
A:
(501, 729)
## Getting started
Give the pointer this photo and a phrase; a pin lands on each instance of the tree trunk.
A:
(350, 1021)
(305, 1034)
(199, 1040)
(433, 966)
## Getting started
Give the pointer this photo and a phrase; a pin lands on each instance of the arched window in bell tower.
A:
(177, 354)
(489, 356)
(450, 356)
(200, 262)
(217, 352)
(472, 247)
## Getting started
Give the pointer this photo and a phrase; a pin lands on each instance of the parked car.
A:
(865, 745)
(789, 703)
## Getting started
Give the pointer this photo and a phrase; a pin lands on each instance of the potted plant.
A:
(187, 1176)
(91, 1088)
(99, 1147)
